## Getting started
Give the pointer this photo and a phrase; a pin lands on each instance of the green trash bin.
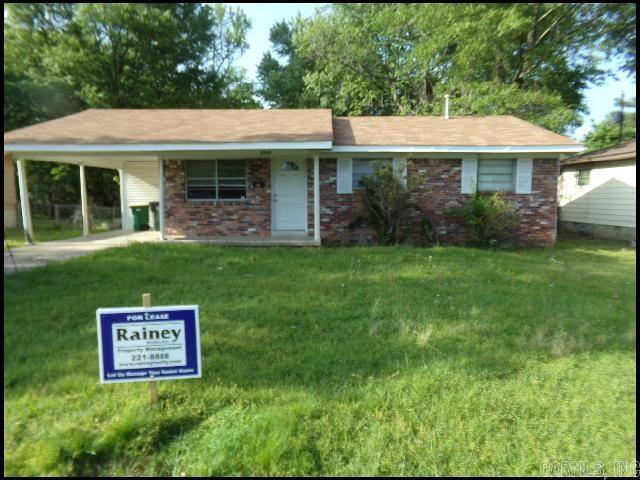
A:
(140, 217)
(154, 208)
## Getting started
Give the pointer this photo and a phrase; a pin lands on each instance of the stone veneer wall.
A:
(250, 217)
(439, 192)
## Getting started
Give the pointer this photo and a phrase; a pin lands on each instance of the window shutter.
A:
(344, 176)
(469, 175)
(400, 168)
(524, 175)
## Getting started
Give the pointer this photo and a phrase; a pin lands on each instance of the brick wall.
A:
(439, 192)
(250, 217)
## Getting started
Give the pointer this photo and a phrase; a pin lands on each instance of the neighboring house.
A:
(10, 201)
(283, 174)
(597, 193)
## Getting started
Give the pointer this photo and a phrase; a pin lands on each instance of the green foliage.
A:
(62, 58)
(530, 60)
(282, 85)
(490, 219)
(129, 55)
(392, 361)
(607, 132)
(386, 201)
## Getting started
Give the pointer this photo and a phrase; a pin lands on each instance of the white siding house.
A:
(597, 193)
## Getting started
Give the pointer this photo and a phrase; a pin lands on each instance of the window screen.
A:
(363, 167)
(496, 175)
(216, 179)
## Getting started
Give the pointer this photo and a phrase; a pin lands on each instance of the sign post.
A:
(148, 344)
(153, 385)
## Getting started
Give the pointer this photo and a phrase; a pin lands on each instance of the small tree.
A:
(490, 219)
(387, 202)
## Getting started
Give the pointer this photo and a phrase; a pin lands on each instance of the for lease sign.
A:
(154, 343)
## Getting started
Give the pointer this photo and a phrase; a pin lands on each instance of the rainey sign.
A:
(153, 343)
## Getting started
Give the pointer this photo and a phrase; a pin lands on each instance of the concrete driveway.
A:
(28, 257)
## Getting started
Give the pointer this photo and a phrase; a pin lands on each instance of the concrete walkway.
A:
(28, 257)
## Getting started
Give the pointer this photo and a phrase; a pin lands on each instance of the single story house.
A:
(294, 174)
(597, 193)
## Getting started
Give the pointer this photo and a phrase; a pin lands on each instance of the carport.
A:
(139, 178)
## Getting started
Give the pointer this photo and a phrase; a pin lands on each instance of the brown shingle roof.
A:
(128, 126)
(154, 126)
(626, 151)
(496, 130)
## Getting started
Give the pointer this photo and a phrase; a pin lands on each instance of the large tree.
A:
(62, 58)
(530, 60)
(281, 74)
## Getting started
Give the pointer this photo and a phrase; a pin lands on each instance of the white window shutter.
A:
(524, 175)
(344, 180)
(469, 175)
(400, 168)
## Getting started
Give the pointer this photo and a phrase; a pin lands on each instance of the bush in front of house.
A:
(387, 202)
(490, 220)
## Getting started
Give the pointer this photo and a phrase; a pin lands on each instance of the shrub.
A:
(491, 221)
(387, 202)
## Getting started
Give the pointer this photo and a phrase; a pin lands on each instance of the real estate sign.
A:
(153, 343)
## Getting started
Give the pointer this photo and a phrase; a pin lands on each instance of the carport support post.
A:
(122, 202)
(153, 385)
(83, 200)
(316, 197)
(161, 203)
(24, 202)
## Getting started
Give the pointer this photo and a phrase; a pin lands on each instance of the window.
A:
(583, 177)
(216, 179)
(365, 166)
(289, 167)
(496, 175)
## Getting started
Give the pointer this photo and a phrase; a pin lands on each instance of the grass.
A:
(358, 361)
(44, 230)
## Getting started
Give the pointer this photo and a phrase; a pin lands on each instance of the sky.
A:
(600, 99)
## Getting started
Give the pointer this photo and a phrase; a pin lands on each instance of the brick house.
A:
(292, 176)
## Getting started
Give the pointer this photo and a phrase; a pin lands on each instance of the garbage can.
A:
(154, 208)
(140, 217)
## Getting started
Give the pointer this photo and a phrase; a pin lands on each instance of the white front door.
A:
(289, 195)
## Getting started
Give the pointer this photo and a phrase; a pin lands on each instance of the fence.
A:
(69, 216)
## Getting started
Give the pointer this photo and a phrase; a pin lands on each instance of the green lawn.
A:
(44, 230)
(354, 361)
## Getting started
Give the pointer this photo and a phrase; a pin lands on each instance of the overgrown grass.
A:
(360, 361)
(44, 230)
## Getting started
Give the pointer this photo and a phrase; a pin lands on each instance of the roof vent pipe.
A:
(446, 107)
